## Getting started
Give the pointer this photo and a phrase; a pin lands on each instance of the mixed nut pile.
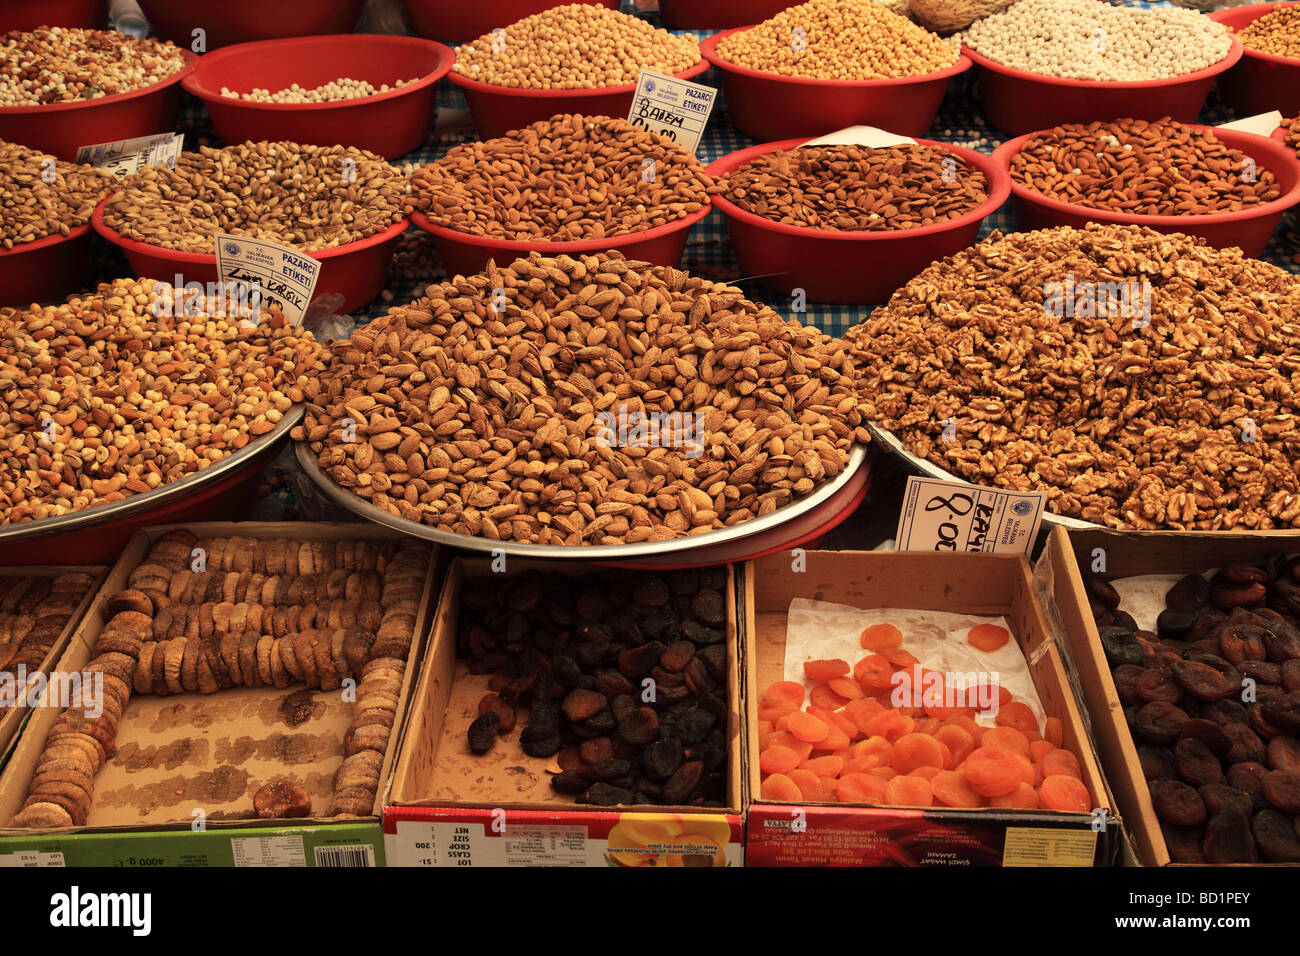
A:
(577, 654)
(108, 396)
(311, 197)
(855, 188)
(498, 405)
(1212, 698)
(1139, 166)
(567, 178)
(66, 64)
(1142, 380)
(839, 40)
(41, 195)
(573, 47)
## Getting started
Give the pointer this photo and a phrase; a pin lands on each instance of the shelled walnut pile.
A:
(265, 612)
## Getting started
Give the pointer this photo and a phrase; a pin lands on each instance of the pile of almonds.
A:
(41, 195)
(504, 405)
(1142, 380)
(108, 396)
(567, 178)
(857, 188)
(311, 197)
(1154, 168)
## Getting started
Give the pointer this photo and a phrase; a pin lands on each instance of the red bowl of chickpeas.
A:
(458, 22)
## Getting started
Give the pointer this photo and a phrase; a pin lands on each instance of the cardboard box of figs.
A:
(617, 685)
(824, 833)
(180, 771)
(1195, 716)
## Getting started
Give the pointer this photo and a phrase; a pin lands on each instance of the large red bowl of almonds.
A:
(1235, 197)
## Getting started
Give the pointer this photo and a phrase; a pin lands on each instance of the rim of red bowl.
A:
(708, 49)
(1291, 197)
(1219, 16)
(1214, 69)
(76, 232)
(998, 177)
(479, 86)
(210, 258)
(525, 246)
(191, 61)
(446, 57)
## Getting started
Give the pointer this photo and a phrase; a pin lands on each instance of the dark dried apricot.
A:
(709, 608)
(1175, 624)
(660, 759)
(1291, 674)
(1246, 745)
(639, 727)
(1261, 672)
(539, 741)
(1281, 788)
(1120, 646)
(580, 704)
(1228, 838)
(483, 732)
(502, 708)
(1197, 766)
(636, 662)
(607, 795)
(1177, 804)
(597, 750)
(1224, 712)
(680, 784)
(1125, 677)
(1157, 762)
(676, 656)
(1208, 733)
(1193, 591)
(1202, 681)
(1284, 713)
(1248, 777)
(1103, 591)
(1157, 683)
(1275, 836)
(571, 782)
(1260, 723)
(1184, 843)
(1284, 754)
(1220, 795)
(1159, 722)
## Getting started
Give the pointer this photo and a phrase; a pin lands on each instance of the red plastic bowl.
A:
(768, 106)
(499, 109)
(719, 14)
(30, 14)
(459, 22)
(1248, 228)
(47, 270)
(848, 267)
(358, 271)
(1020, 102)
(464, 254)
(1260, 81)
(62, 128)
(240, 21)
(390, 124)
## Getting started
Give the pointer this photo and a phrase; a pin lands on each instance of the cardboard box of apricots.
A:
(449, 807)
(1116, 554)
(209, 752)
(825, 832)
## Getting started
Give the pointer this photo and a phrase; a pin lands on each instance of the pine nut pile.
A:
(570, 177)
(590, 400)
(101, 398)
(856, 188)
(334, 91)
(1160, 168)
(312, 197)
(1087, 40)
(66, 64)
(1142, 380)
(1276, 32)
(839, 40)
(574, 47)
(32, 208)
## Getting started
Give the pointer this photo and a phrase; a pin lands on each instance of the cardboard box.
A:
(846, 835)
(201, 752)
(1126, 554)
(448, 807)
(11, 718)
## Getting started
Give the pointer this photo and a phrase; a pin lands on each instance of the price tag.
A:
(1262, 124)
(954, 516)
(281, 274)
(868, 136)
(130, 155)
(672, 107)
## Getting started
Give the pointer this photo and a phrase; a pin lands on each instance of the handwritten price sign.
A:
(954, 516)
(672, 107)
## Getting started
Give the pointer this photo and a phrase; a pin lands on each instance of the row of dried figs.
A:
(1212, 697)
(622, 680)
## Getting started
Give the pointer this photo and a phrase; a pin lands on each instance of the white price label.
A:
(671, 107)
(281, 274)
(30, 859)
(268, 851)
(1261, 124)
(131, 155)
(955, 516)
(869, 136)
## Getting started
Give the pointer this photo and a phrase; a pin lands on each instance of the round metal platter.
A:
(134, 504)
(592, 552)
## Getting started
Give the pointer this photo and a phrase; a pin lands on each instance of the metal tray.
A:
(890, 443)
(134, 504)
(587, 552)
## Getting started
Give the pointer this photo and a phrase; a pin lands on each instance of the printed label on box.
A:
(282, 275)
(131, 155)
(268, 851)
(1037, 846)
(671, 107)
(353, 854)
(31, 858)
(955, 516)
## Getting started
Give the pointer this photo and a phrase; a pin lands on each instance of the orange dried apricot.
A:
(1039, 749)
(987, 637)
(774, 712)
(781, 788)
(1061, 762)
(841, 720)
(846, 687)
(859, 788)
(784, 692)
(1053, 731)
(903, 791)
(880, 637)
(1024, 797)
(993, 772)
(825, 669)
(884, 773)
(809, 784)
(1062, 792)
(862, 710)
(827, 766)
(899, 658)
(917, 750)
(807, 727)
(951, 789)
(1008, 738)
(778, 759)
(1018, 715)
(958, 740)
(874, 674)
(835, 739)
(926, 773)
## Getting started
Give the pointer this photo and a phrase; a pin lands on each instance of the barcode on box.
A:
(359, 855)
